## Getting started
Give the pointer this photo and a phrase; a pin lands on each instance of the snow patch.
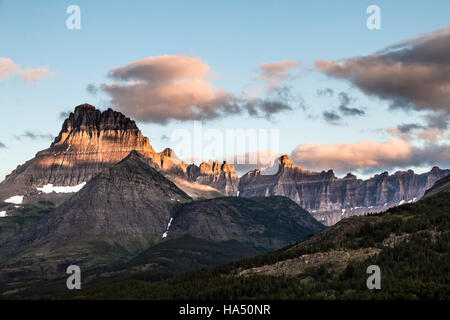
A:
(401, 202)
(384, 205)
(168, 227)
(2, 214)
(49, 188)
(15, 200)
(343, 211)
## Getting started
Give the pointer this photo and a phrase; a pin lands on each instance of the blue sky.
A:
(232, 37)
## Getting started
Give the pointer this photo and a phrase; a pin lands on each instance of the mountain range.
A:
(91, 141)
(102, 198)
(130, 207)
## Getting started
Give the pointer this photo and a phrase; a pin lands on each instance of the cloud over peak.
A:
(169, 87)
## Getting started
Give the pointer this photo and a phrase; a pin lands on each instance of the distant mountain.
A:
(329, 199)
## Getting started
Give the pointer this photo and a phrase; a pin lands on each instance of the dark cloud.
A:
(164, 138)
(325, 92)
(408, 127)
(165, 88)
(412, 75)
(63, 115)
(437, 120)
(2, 145)
(331, 117)
(345, 101)
(92, 88)
(34, 136)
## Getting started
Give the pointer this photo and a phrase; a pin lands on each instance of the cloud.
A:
(327, 92)
(92, 88)
(164, 88)
(414, 74)
(408, 127)
(164, 138)
(275, 73)
(35, 74)
(331, 117)
(345, 101)
(8, 69)
(2, 145)
(34, 136)
(63, 115)
(434, 129)
(370, 156)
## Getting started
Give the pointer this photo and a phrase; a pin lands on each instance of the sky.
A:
(338, 94)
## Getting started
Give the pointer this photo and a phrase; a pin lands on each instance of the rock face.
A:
(91, 141)
(120, 212)
(221, 176)
(329, 198)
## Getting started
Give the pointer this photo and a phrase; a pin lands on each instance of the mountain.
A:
(270, 222)
(120, 212)
(329, 199)
(410, 244)
(221, 176)
(90, 141)
(130, 210)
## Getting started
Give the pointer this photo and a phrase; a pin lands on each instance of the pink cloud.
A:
(369, 155)
(8, 69)
(159, 89)
(275, 73)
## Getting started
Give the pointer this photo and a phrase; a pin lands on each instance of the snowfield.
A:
(15, 200)
(49, 188)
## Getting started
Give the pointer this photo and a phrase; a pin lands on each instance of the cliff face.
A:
(91, 141)
(329, 199)
(221, 176)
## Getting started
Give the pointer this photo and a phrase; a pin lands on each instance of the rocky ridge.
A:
(329, 198)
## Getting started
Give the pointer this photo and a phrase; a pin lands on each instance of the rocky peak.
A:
(284, 160)
(168, 152)
(86, 118)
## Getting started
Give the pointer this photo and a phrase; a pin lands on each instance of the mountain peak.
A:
(87, 118)
(284, 160)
